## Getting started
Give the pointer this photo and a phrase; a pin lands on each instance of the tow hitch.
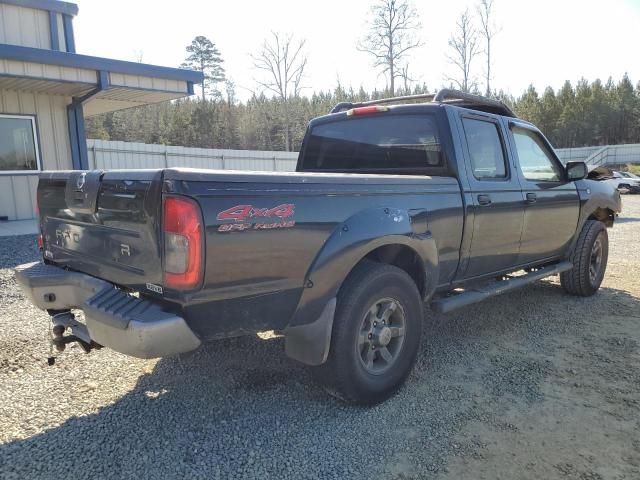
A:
(62, 321)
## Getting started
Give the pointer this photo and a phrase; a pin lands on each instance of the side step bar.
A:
(474, 295)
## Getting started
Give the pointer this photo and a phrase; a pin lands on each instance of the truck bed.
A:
(263, 231)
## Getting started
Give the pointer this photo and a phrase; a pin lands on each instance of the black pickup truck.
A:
(393, 204)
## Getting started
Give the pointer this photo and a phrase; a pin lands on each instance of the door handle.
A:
(484, 199)
(532, 198)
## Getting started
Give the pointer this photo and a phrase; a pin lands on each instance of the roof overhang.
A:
(101, 84)
(50, 5)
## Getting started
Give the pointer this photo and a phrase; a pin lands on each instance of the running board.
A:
(474, 295)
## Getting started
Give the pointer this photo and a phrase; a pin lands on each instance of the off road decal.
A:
(241, 213)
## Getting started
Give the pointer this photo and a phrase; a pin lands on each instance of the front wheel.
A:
(589, 258)
(376, 334)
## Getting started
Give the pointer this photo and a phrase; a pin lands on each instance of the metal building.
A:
(47, 89)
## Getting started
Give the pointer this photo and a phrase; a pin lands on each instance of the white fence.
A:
(579, 154)
(114, 155)
(605, 155)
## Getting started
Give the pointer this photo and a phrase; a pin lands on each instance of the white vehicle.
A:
(630, 175)
(625, 182)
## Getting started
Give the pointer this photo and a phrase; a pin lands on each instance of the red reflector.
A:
(366, 110)
(40, 242)
(183, 247)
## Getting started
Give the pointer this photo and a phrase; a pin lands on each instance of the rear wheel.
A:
(376, 334)
(589, 260)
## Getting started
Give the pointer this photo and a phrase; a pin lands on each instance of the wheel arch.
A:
(598, 201)
(405, 258)
(603, 214)
(385, 235)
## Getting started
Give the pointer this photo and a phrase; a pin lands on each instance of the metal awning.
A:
(101, 84)
(120, 98)
(44, 85)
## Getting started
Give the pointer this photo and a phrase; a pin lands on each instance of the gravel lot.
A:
(533, 384)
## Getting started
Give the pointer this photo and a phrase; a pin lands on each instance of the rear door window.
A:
(399, 144)
(485, 149)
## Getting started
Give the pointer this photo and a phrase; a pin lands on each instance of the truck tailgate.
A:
(103, 223)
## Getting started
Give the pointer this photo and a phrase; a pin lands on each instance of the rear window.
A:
(399, 144)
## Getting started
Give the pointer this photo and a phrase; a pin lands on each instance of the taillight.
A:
(183, 243)
(366, 110)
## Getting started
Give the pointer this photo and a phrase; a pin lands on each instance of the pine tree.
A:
(567, 122)
(549, 115)
(205, 57)
(528, 106)
(626, 102)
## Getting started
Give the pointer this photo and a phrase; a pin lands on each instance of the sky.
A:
(541, 42)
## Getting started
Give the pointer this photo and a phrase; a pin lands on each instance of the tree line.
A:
(589, 113)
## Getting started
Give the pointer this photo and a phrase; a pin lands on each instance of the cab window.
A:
(485, 149)
(388, 143)
(536, 162)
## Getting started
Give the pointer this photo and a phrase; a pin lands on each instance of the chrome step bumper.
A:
(114, 319)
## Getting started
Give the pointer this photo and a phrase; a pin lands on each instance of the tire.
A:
(624, 188)
(585, 277)
(357, 369)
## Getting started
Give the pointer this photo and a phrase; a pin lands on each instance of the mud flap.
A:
(310, 343)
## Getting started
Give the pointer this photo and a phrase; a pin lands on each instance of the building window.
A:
(18, 144)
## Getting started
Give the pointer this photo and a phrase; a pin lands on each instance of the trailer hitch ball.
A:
(63, 320)
(58, 339)
(58, 330)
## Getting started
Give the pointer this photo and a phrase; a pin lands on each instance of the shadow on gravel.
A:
(240, 409)
(627, 220)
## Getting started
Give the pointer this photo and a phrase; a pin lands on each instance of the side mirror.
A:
(576, 170)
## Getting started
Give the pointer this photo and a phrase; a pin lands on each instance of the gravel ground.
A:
(533, 384)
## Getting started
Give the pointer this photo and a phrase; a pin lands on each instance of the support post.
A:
(77, 133)
(53, 30)
(73, 137)
(69, 38)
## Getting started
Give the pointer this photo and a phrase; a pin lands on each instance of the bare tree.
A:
(465, 47)
(488, 31)
(391, 35)
(406, 79)
(283, 61)
(138, 54)
(230, 90)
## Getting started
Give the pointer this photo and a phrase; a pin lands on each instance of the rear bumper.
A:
(114, 319)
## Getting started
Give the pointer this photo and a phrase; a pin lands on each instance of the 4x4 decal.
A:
(241, 213)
